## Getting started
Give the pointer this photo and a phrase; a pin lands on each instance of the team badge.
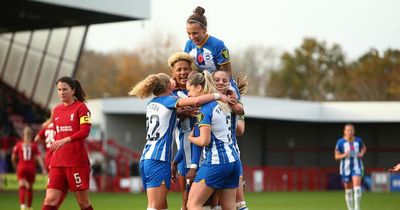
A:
(200, 117)
(225, 53)
(72, 117)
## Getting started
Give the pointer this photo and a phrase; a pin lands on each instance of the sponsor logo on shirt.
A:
(64, 128)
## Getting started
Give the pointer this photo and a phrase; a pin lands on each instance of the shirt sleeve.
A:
(84, 123)
(196, 154)
(222, 54)
(339, 147)
(187, 47)
(179, 156)
(42, 132)
(15, 149)
(205, 115)
(171, 101)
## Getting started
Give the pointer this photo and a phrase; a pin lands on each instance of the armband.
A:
(194, 166)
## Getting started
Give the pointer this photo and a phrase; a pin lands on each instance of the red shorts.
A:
(26, 173)
(64, 178)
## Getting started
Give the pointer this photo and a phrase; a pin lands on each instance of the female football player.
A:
(70, 167)
(350, 150)
(221, 167)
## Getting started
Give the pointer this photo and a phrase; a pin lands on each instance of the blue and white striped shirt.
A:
(221, 149)
(160, 125)
(353, 162)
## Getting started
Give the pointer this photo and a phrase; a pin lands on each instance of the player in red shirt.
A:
(69, 165)
(24, 157)
(46, 136)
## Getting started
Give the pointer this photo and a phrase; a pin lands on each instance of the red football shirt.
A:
(48, 134)
(26, 154)
(71, 121)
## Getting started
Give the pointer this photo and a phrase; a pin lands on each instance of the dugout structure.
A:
(41, 40)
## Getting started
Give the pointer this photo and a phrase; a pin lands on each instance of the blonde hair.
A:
(28, 134)
(179, 56)
(155, 84)
(242, 84)
(206, 81)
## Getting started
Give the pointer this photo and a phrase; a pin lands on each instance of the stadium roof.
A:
(22, 15)
(277, 109)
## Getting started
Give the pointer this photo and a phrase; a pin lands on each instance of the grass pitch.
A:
(332, 200)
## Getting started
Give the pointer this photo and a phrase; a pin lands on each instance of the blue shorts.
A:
(181, 168)
(220, 176)
(348, 178)
(155, 173)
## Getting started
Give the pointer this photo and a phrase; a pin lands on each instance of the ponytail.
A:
(242, 84)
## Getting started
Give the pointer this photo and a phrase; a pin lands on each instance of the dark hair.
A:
(198, 17)
(75, 85)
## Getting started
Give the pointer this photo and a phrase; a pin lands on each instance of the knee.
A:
(51, 200)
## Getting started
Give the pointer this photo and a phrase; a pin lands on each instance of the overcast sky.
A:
(356, 25)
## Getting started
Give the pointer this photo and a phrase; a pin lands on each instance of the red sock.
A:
(63, 195)
(47, 207)
(22, 191)
(88, 208)
(29, 193)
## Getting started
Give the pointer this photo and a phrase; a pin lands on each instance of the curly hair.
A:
(154, 84)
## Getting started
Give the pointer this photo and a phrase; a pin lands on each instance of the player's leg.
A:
(29, 195)
(157, 197)
(63, 196)
(228, 192)
(82, 197)
(57, 185)
(52, 198)
(348, 188)
(78, 182)
(182, 186)
(228, 199)
(29, 190)
(198, 195)
(156, 178)
(240, 202)
(22, 183)
(357, 191)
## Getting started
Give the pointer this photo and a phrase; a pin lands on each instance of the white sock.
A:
(206, 208)
(217, 208)
(357, 197)
(241, 205)
(349, 198)
(151, 209)
(23, 206)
